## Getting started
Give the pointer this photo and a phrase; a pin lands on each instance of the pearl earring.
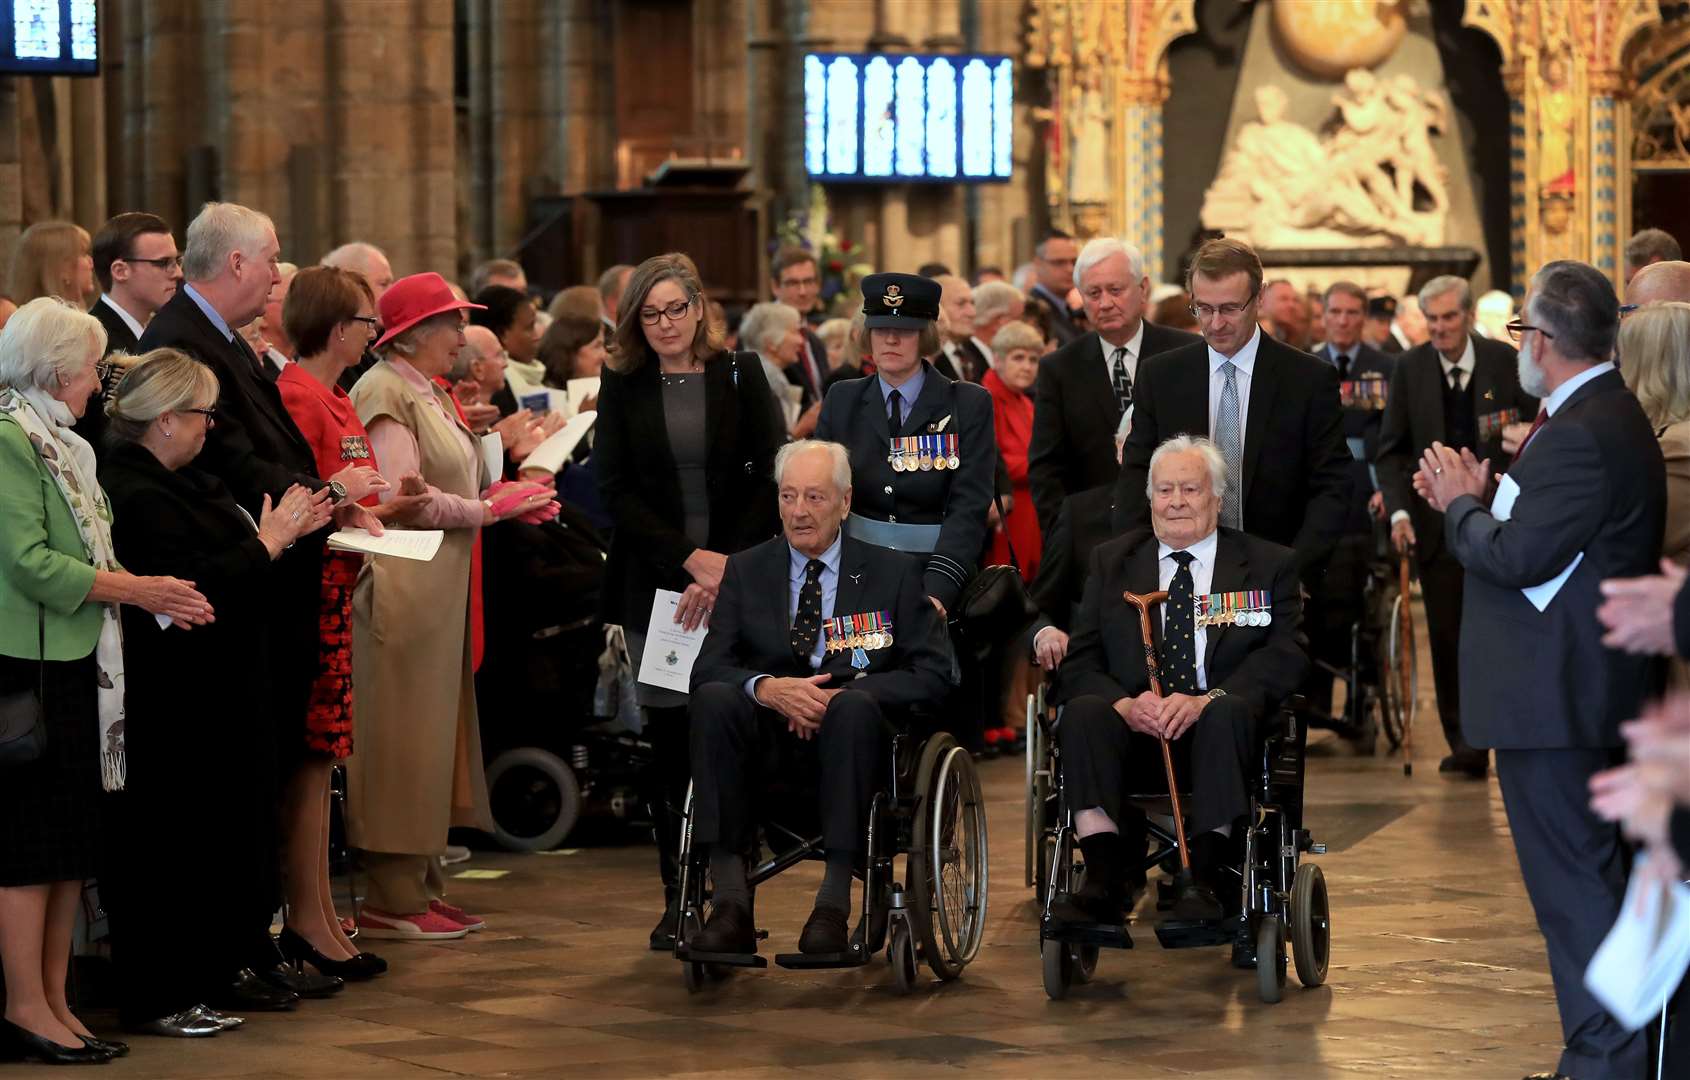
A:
(167, 433)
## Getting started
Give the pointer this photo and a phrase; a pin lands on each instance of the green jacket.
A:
(42, 559)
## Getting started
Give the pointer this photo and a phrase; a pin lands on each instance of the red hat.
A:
(410, 300)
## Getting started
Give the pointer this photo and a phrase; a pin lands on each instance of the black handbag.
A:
(23, 722)
(995, 606)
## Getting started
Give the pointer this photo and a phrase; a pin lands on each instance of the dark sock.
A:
(727, 877)
(836, 882)
(1209, 851)
(1104, 864)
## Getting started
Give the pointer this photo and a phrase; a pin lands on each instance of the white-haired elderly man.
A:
(1230, 656)
(816, 643)
(1086, 386)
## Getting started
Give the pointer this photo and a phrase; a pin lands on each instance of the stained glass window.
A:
(842, 115)
(976, 119)
(815, 115)
(879, 128)
(912, 109)
(941, 118)
(35, 29)
(1003, 118)
(83, 43)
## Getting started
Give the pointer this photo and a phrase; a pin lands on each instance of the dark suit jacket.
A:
(751, 625)
(1075, 418)
(1061, 322)
(978, 362)
(119, 338)
(1296, 467)
(1261, 665)
(1082, 525)
(795, 374)
(1361, 429)
(854, 414)
(1591, 481)
(641, 488)
(1414, 418)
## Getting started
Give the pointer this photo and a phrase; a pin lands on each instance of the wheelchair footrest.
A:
(1102, 935)
(1195, 934)
(820, 961)
(726, 959)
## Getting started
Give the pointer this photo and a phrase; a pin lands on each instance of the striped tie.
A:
(1229, 438)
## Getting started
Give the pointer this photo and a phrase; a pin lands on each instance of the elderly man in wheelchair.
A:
(819, 647)
(1192, 711)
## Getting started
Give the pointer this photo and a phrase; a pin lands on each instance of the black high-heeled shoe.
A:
(32, 1047)
(299, 952)
(111, 1046)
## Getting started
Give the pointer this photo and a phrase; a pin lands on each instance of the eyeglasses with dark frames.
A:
(1205, 312)
(1517, 330)
(209, 414)
(371, 323)
(166, 262)
(674, 312)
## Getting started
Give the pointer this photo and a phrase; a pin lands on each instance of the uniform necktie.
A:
(1179, 628)
(1230, 439)
(1123, 382)
(1343, 367)
(896, 401)
(1455, 380)
(807, 624)
(1542, 417)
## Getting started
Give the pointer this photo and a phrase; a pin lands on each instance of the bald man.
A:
(486, 374)
(1656, 283)
(966, 357)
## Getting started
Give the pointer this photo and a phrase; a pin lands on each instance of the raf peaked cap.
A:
(891, 301)
(1382, 307)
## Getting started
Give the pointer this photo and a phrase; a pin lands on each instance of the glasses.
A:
(1627, 309)
(800, 283)
(209, 414)
(371, 323)
(1205, 312)
(167, 262)
(674, 312)
(1517, 330)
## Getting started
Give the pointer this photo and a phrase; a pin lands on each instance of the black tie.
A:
(1179, 628)
(807, 624)
(1455, 379)
(1343, 367)
(896, 401)
(1123, 382)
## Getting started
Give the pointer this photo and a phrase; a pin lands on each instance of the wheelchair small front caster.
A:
(1270, 959)
(1058, 968)
(696, 977)
(901, 953)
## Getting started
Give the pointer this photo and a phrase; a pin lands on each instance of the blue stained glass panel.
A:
(842, 98)
(815, 115)
(911, 112)
(84, 44)
(1003, 118)
(879, 125)
(941, 118)
(976, 119)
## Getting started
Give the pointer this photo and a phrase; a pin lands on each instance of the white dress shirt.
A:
(1202, 576)
(1134, 347)
(1570, 387)
(1245, 361)
(128, 320)
(1466, 364)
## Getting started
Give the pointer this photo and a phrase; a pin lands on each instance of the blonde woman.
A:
(1654, 355)
(53, 258)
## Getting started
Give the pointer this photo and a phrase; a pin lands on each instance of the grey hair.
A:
(219, 230)
(994, 300)
(765, 324)
(46, 340)
(353, 256)
(1576, 304)
(1446, 283)
(1104, 247)
(1652, 245)
(1185, 444)
(410, 340)
(840, 457)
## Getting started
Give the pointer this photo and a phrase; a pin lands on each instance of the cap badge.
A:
(894, 298)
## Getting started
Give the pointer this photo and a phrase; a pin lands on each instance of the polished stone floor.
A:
(1437, 971)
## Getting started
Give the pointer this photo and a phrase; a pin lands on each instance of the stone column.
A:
(1610, 152)
(1139, 142)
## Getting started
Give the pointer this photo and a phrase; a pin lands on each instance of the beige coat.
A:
(416, 764)
(1675, 448)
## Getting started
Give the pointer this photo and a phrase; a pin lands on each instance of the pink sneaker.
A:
(427, 926)
(457, 915)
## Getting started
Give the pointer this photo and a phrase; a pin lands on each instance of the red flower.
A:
(835, 265)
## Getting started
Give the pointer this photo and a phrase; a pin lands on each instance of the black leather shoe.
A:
(1468, 762)
(302, 983)
(826, 931)
(1090, 903)
(299, 951)
(663, 934)
(115, 1049)
(1196, 903)
(27, 1045)
(249, 993)
(730, 929)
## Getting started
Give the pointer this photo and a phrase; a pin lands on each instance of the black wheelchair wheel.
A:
(947, 864)
(901, 955)
(534, 798)
(1270, 959)
(1059, 972)
(1311, 925)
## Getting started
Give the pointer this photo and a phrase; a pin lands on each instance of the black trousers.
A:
(738, 747)
(1575, 866)
(1103, 760)
(1441, 583)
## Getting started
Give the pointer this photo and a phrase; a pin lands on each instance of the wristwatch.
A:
(1217, 692)
(337, 492)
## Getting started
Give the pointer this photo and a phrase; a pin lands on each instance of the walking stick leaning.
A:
(1144, 602)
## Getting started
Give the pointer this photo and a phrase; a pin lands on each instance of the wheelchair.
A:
(1280, 895)
(932, 814)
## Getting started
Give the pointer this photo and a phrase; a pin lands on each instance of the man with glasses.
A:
(1053, 271)
(1461, 390)
(136, 264)
(796, 282)
(1272, 410)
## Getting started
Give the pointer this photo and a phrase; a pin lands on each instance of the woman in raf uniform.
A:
(922, 449)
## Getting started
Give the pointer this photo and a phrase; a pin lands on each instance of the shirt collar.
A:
(907, 392)
(1203, 550)
(1245, 361)
(210, 312)
(1570, 387)
(1135, 345)
(1466, 363)
(830, 558)
(129, 320)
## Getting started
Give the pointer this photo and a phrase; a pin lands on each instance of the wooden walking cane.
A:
(1405, 671)
(1154, 668)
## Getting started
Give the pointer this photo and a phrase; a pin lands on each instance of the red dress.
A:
(1012, 419)
(325, 416)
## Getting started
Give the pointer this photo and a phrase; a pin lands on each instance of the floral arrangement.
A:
(838, 262)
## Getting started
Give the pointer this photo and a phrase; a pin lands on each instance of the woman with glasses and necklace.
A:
(685, 450)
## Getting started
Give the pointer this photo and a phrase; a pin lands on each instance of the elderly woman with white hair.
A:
(61, 667)
(416, 768)
(775, 333)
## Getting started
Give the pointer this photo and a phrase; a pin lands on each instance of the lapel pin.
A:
(856, 579)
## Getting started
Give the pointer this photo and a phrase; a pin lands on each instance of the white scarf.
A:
(70, 461)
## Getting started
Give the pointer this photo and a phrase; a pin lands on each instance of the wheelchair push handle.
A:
(1153, 667)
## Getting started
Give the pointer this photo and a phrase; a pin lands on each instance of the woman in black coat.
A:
(201, 797)
(685, 451)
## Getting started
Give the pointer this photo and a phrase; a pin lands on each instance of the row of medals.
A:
(1235, 618)
(877, 639)
(903, 460)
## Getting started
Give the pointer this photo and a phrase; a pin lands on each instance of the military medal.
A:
(940, 461)
(951, 457)
(859, 659)
(926, 451)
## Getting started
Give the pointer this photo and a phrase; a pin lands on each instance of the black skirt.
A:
(50, 810)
